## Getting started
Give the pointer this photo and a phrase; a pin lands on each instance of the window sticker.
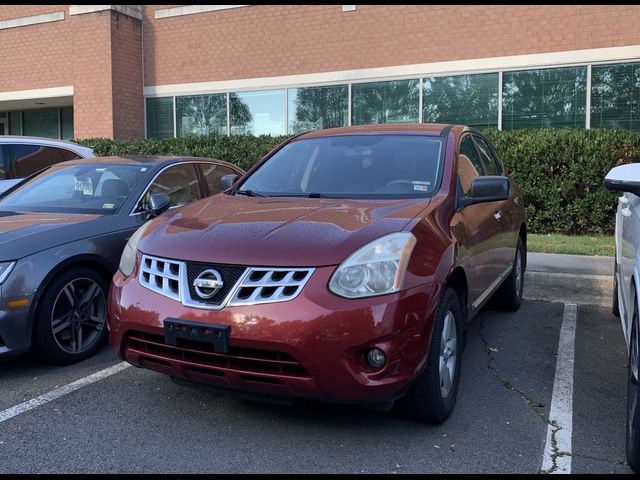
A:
(84, 187)
(421, 188)
(109, 206)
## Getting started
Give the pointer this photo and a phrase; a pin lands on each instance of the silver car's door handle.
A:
(498, 215)
(623, 201)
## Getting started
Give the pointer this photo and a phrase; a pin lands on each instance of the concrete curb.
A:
(569, 288)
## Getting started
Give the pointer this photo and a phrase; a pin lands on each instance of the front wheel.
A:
(433, 395)
(70, 323)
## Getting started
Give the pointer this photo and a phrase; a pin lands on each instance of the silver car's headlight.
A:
(374, 269)
(5, 270)
(128, 259)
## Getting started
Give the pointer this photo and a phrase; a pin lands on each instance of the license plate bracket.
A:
(215, 334)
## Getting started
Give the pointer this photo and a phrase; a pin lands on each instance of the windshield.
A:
(353, 166)
(82, 188)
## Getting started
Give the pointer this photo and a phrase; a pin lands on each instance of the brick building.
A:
(125, 71)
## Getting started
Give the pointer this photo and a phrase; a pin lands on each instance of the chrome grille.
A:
(247, 286)
(269, 285)
(161, 275)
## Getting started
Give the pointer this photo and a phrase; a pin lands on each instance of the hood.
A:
(275, 231)
(23, 234)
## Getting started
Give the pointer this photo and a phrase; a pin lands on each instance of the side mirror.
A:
(227, 181)
(625, 178)
(487, 189)
(158, 204)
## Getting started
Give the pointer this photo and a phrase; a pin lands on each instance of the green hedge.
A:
(560, 172)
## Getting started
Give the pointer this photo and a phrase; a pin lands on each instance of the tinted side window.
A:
(212, 174)
(179, 183)
(490, 161)
(4, 163)
(28, 159)
(469, 164)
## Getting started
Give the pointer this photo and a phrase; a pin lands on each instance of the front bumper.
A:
(312, 346)
(15, 329)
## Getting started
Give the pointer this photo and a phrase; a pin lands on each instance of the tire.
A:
(509, 295)
(70, 323)
(432, 396)
(615, 307)
(633, 399)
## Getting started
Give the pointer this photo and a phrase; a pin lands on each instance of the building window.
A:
(66, 122)
(199, 115)
(385, 102)
(160, 117)
(466, 99)
(15, 123)
(41, 123)
(316, 108)
(615, 96)
(551, 98)
(258, 113)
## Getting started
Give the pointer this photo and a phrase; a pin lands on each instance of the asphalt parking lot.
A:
(139, 421)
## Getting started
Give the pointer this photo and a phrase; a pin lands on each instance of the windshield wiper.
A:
(305, 195)
(249, 193)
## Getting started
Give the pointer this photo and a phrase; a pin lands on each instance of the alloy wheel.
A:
(78, 315)
(448, 349)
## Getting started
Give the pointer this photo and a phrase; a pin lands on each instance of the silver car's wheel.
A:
(448, 348)
(79, 315)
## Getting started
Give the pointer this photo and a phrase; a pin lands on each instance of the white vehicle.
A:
(626, 290)
(23, 156)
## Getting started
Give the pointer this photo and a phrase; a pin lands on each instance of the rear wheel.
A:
(509, 295)
(70, 323)
(433, 395)
(633, 398)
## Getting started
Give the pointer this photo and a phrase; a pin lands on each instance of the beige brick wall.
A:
(126, 51)
(272, 40)
(89, 62)
(99, 53)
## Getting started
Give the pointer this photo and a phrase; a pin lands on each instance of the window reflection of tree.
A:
(385, 102)
(550, 98)
(319, 107)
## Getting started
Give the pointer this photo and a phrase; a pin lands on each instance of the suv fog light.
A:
(376, 358)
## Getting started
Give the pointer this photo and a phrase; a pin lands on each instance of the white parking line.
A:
(557, 450)
(61, 391)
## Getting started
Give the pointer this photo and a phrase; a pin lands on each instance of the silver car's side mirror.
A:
(625, 178)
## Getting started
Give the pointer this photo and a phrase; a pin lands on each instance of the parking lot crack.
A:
(536, 406)
(596, 459)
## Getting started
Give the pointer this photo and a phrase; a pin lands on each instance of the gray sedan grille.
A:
(256, 285)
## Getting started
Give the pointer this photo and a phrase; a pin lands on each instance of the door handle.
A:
(623, 201)
(498, 215)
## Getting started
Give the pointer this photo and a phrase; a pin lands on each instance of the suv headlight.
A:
(128, 259)
(374, 269)
(5, 270)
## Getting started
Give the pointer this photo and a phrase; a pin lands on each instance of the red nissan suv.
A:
(344, 266)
